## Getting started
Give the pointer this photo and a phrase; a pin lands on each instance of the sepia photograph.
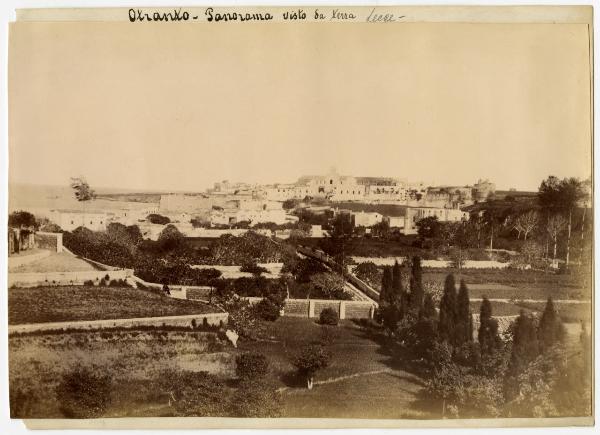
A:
(373, 214)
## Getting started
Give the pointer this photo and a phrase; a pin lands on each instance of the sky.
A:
(178, 107)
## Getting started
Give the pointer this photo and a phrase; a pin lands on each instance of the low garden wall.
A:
(313, 307)
(50, 241)
(186, 320)
(35, 279)
(441, 264)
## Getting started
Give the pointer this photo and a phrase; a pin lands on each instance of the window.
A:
(330, 181)
(72, 223)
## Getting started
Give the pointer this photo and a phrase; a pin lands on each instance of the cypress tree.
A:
(416, 284)
(397, 289)
(448, 311)
(551, 329)
(428, 310)
(525, 348)
(386, 286)
(488, 337)
(464, 327)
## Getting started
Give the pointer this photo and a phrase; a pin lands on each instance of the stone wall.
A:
(50, 241)
(186, 320)
(31, 279)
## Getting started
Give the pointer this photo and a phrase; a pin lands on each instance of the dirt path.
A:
(343, 378)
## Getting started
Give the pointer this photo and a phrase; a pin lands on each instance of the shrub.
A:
(328, 317)
(83, 394)
(253, 268)
(311, 359)
(251, 366)
(158, 219)
(88, 282)
(268, 310)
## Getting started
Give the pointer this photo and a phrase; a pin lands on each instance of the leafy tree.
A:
(82, 189)
(561, 196)
(448, 310)
(22, 219)
(464, 320)
(251, 366)
(309, 361)
(551, 330)
(170, 238)
(429, 227)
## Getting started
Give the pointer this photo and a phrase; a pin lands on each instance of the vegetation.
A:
(309, 361)
(65, 303)
(328, 317)
(158, 219)
(83, 393)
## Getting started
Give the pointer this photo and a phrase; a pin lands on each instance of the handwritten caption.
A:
(212, 16)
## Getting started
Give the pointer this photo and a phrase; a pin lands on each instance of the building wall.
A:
(68, 221)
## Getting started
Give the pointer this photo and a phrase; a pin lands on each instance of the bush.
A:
(88, 282)
(311, 359)
(253, 268)
(158, 219)
(328, 317)
(251, 366)
(268, 310)
(83, 394)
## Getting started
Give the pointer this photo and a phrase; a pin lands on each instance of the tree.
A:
(526, 223)
(429, 227)
(22, 219)
(525, 349)
(309, 361)
(416, 284)
(464, 320)
(386, 295)
(563, 196)
(251, 366)
(448, 310)
(82, 189)
(399, 298)
(170, 238)
(488, 337)
(551, 330)
(556, 225)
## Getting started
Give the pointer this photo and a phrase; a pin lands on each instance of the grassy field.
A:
(56, 262)
(360, 371)
(134, 359)
(59, 304)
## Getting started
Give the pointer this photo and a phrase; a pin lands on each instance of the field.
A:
(56, 262)
(134, 359)
(59, 304)
(360, 371)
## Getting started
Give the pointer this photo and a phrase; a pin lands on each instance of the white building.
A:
(366, 219)
(68, 220)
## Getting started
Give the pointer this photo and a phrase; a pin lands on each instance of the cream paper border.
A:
(427, 14)
(465, 14)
